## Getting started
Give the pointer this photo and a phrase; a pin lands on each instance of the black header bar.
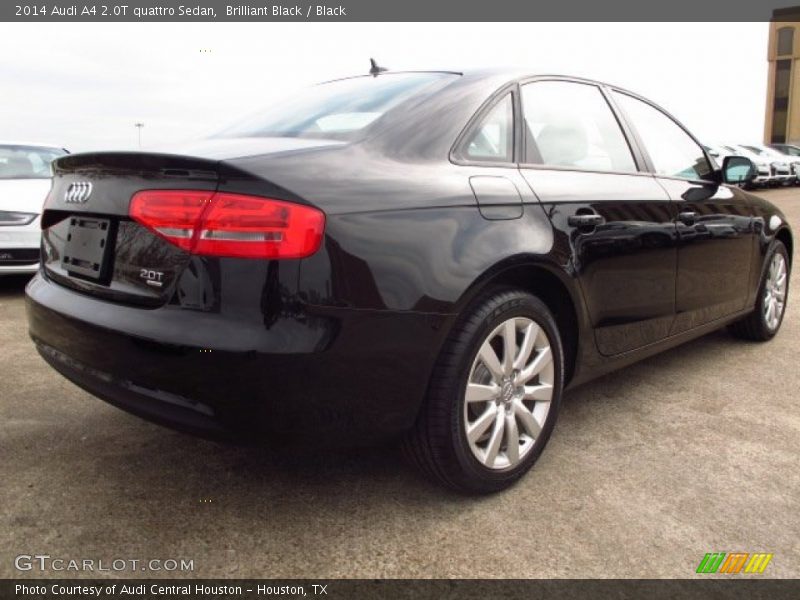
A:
(398, 10)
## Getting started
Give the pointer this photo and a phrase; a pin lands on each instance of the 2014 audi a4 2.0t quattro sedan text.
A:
(431, 256)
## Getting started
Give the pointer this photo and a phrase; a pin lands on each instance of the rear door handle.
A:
(687, 217)
(586, 221)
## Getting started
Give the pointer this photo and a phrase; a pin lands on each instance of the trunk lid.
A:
(88, 241)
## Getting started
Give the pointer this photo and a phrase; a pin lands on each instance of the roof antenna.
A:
(375, 70)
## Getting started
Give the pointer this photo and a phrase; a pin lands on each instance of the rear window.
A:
(27, 162)
(338, 109)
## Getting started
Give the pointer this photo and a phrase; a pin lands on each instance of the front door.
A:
(714, 222)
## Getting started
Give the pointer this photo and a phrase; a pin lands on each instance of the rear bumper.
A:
(153, 405)
(762, 178)
(19, 269)
(334, 376)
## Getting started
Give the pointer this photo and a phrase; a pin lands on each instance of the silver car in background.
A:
(25, 177)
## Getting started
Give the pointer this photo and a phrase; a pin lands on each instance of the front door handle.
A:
(585, 221)
(687, 217)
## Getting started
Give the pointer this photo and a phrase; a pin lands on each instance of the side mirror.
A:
(738, 170)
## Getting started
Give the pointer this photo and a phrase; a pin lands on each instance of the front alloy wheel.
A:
(765, 320)
(775, 291)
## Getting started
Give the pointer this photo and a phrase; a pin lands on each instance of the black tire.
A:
(754, 326)
(438, 444)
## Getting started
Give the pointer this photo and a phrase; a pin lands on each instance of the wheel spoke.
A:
(481, 424)
(540, 362)
(494, 441)
(489, 358)
(528, 340)
(781, 269)
(512, 439)
(770, 311)
(509, 345)
(541, 393)
(526, 418)
(477, 392)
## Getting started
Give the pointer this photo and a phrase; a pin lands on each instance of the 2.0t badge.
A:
(78, 192)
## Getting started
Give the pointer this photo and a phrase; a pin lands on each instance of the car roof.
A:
(491, 73)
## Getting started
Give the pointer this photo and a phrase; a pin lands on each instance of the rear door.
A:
(615, 224)
(714, 222)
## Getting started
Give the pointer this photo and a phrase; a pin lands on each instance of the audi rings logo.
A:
(78, 192)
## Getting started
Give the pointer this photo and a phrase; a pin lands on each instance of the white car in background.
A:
(25, 176)
(792, 162)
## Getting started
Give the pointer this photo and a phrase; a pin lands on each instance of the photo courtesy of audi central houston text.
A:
(427, 256)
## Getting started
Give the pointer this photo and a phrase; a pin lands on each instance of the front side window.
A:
(673, 152)
(570, 124)
(493, 139)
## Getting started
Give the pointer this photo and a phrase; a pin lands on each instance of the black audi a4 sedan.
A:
(427, 256)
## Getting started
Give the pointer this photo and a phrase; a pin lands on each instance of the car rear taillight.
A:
(225, 224)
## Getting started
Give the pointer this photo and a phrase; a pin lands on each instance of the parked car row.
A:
(776, 164)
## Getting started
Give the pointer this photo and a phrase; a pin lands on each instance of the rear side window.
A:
(673, 152)
(493, 139)
(570, 124)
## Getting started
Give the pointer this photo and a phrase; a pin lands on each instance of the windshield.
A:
(27, 162)
(759, 151)
(338, 109)
(743, 151)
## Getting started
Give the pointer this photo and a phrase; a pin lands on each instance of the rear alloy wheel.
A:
(506, 402)
(763, 323)
(494, 395)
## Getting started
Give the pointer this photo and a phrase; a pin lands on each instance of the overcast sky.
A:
(84, 85)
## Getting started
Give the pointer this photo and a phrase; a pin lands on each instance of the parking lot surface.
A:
(692, 451)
